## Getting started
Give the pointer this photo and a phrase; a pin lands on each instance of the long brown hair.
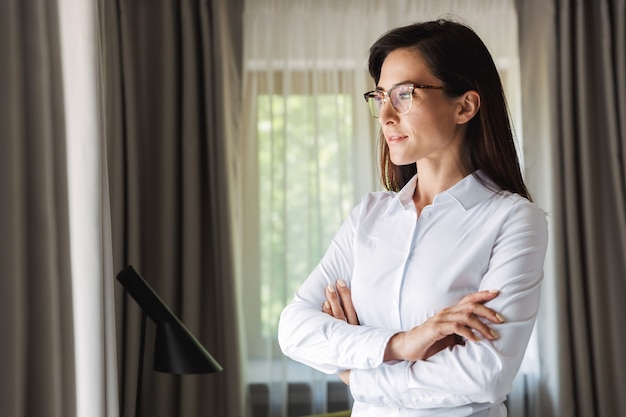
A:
(458, 57)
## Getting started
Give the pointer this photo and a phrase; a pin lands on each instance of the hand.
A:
(463, 319)
(339, 303)
(345, 376)
(441, 344)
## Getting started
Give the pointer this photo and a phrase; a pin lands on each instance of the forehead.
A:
(404, 65)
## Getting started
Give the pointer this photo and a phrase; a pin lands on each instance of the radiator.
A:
(300, 399)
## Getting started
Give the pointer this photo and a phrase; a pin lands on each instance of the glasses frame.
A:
(386, 96)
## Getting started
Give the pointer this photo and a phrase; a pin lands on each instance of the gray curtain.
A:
(37, 347)
(173, 87)
(576, 51)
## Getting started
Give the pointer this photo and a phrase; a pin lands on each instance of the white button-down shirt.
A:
(402, 270)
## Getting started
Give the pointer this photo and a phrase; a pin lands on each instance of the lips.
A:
(393, 139)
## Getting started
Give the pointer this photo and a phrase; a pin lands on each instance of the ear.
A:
(468, 107)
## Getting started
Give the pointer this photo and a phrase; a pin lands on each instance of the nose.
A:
(387, 113)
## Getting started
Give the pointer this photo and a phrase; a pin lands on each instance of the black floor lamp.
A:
(176, 350)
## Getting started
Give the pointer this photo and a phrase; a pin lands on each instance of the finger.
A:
(467, 333)
(345, 376)
(441, 327)
(464, 323)
(486, 312)
(326, 308)
(345, 296)
(480, 296)
(479, 326)
(467, 324)
(335, 305)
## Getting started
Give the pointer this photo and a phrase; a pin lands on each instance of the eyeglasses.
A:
(401, 98)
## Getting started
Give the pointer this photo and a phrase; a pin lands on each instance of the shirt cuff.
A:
(370, 352)
(366, 387)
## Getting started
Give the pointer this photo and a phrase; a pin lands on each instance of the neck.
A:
(431, 182)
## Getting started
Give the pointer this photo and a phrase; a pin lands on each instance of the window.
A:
(306, 167)
(300, 185)
(305, 185)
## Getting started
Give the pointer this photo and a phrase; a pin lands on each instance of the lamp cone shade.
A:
(176, 350)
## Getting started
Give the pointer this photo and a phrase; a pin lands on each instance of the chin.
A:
(402, 161)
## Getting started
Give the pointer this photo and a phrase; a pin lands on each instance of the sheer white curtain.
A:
(539, 47)
(92, 273)
(309, 153)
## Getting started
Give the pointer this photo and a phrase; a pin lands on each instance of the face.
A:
(431, 131)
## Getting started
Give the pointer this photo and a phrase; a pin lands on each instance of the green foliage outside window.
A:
(305, 189)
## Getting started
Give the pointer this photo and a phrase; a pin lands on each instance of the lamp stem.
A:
(142, 347)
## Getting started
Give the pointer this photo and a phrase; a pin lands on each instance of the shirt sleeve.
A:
(483, 371)
(314, 338)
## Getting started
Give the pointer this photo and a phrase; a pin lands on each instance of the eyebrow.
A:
(379, 88)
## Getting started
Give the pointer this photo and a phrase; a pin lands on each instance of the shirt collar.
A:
(405, 195)
(471, 190)
(468, 192)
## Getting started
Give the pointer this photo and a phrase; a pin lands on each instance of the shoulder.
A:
(378, 197)
(378, 202)
(504, 211)
(520, 215)
(506, 201)
(484, 200)
(373, 206)
(518, 205)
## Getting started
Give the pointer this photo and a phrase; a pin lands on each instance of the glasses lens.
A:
(375, 101)
(401, 98)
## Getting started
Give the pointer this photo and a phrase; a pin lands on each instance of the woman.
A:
(426, 298)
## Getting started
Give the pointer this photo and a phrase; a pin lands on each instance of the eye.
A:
(404, 93)
(376, 97)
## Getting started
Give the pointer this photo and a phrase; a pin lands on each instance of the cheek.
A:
(439, 123)
(426, 124)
